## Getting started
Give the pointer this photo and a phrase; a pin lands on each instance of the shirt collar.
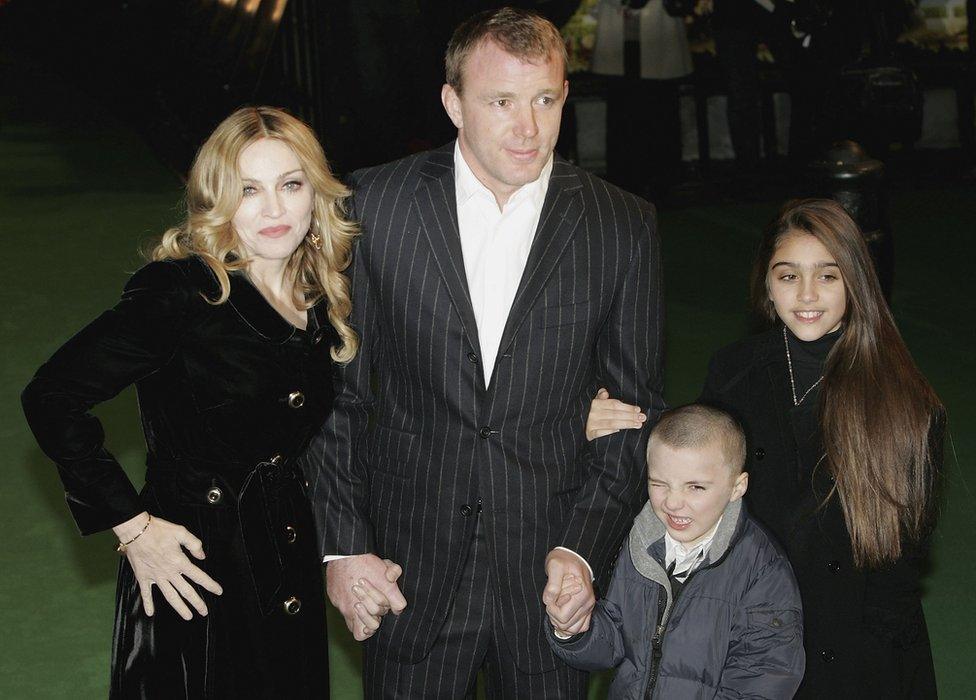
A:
(675, 551)
(467, 185)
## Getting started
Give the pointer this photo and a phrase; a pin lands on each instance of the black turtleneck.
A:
(809, 357)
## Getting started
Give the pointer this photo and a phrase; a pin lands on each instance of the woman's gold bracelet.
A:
(122, 545)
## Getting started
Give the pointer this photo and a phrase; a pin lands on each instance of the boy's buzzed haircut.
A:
(696, 425)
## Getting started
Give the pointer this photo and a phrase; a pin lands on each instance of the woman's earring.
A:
(315, 239)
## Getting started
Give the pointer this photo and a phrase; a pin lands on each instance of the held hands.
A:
(607, 416)
(363, 588)
(157, 558)
(568, 595)
(571, 586)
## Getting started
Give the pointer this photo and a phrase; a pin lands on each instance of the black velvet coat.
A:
(229, 395)
(864, 630)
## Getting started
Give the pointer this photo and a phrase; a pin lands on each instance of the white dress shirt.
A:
(495, 244)
(686, 559)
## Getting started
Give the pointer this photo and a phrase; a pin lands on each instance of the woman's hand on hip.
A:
(607, 416)
(157, 558)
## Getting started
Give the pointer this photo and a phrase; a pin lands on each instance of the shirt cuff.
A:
(332, 557)
(588, 567)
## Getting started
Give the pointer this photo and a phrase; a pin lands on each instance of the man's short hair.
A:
(696, 426)
(522, 33)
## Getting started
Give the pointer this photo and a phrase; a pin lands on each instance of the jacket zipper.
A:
(657, 641)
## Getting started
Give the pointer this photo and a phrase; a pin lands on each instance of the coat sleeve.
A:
(629, 353)
(766, 657)
(123, 345)
(335, 461)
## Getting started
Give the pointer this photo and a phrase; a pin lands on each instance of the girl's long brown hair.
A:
(877, 411)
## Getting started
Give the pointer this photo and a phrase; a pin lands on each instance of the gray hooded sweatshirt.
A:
(734, 631)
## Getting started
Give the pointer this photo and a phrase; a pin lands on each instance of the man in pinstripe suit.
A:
(495, 288)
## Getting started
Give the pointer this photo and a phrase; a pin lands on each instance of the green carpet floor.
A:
(79, 194)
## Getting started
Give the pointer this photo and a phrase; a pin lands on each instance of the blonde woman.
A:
(229, 336)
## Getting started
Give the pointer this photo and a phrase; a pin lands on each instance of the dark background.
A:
(102, 105)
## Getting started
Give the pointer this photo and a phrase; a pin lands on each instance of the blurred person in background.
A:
(644, 52)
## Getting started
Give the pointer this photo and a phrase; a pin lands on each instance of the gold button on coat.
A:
(214, 495)
(296, 399)
(292, 605)
(277, 460)
(291, 534)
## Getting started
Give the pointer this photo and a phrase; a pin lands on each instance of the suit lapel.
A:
(561, 214)
(437, 206)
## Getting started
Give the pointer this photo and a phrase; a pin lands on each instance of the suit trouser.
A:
(470, 640)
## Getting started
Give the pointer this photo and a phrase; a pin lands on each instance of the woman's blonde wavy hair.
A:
(214, 193)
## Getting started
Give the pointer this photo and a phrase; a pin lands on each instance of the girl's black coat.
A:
(229, 395)
(864, 631)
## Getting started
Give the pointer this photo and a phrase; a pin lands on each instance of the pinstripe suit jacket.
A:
(587, 313)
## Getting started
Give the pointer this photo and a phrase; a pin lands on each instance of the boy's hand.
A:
(571, 586)
(573, 615)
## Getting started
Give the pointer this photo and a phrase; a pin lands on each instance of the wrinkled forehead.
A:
(267, 156)
(688, 463)
(488, 56)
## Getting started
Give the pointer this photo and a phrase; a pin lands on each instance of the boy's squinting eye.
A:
(697, 487)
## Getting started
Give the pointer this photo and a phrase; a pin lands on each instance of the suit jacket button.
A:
(296, 399)
(214, 496)
(292, 605)
(760, 453)
(465, 510)
(833, 566)
(276, 460)
(473, 358)
(485, 432)
(291, 534)
(827, 655)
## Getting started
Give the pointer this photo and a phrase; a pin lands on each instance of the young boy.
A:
(703, 602)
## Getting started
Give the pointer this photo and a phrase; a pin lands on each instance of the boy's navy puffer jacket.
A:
(735, 630)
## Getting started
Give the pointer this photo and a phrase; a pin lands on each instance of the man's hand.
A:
(570, 616)
(363, 588)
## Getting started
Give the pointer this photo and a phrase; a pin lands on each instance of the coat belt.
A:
(255, 493)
